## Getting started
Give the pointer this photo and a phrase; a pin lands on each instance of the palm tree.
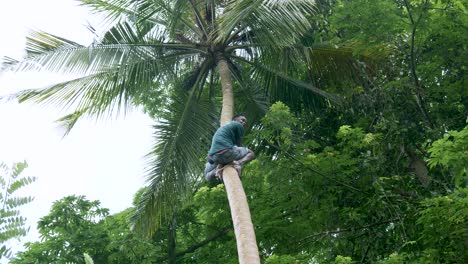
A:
(174, 54)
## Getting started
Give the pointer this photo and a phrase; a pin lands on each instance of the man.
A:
(226, 148)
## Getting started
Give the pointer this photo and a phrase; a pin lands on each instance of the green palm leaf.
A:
(268, 19)
(181, 138)
(113, 73)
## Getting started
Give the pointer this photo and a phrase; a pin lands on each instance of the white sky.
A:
(101, 160)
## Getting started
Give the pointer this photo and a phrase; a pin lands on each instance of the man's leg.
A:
(248, 157)
(242, 156)
(237, 157)
(210, 171)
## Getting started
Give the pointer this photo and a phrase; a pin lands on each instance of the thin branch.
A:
(200, 244)
(205, 225)
(365, 255)
(414, 24)
(317, 172)
(204, 242)
(347, 229)
(332, 97)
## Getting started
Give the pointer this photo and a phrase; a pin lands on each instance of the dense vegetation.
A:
(376, 176)
(311, 202)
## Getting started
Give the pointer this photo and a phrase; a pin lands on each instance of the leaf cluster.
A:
(12, 223)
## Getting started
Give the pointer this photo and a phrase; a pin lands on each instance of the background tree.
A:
(12, 223)
(76, 227)
(67, 232)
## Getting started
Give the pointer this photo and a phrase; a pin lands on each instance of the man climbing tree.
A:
(226, 149)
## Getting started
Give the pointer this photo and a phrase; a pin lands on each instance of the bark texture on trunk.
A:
(247, 248)
(227, 111)
(243, 228)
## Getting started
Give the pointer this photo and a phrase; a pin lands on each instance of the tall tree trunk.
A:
(243, 228)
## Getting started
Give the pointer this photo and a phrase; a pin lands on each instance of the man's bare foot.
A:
(236, 165)
(219, 172)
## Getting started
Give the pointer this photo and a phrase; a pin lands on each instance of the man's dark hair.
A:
(235, 116)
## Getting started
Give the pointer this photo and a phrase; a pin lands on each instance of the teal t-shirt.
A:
(226, 137)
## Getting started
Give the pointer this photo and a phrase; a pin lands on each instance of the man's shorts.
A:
(235, 153)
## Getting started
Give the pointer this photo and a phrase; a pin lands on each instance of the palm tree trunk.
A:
(227, 111)
(243, 228)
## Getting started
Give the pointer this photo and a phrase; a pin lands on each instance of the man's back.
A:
(226, 137)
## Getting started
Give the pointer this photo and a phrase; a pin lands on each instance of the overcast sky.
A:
(101, 160)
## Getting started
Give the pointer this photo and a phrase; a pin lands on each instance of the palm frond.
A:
(67, 122)
(114, 73)
(178, 16)
(199, 20)
(250, 97)
(181, 140)
(327, 65)
(48, 52)
(170, 16)
(6, 63)
(270, 76)
(121, 33)
(182, 136)
(269, 19)
(113, 9)
(101, 92)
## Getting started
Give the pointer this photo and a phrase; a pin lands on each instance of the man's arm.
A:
(239, 134)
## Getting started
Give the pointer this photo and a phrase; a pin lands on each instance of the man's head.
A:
(241, 119)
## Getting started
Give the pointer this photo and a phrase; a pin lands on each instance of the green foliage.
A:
(344, 197)
(12, 223)
(451, 152)
(362, 20)
(124, 246)
(311, 202)
(213, 207)
(67, 232)
(310, 190)
(278, 122)
(343, 260)
(88, 259)
(286, 259)
(444, 220)
(394, 259)
(187, 123)
(79, 231)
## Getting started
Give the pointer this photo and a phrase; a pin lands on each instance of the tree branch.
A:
(198, 245)
(204, 242)
(414, 24)
(348, 229)
(291, 156)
